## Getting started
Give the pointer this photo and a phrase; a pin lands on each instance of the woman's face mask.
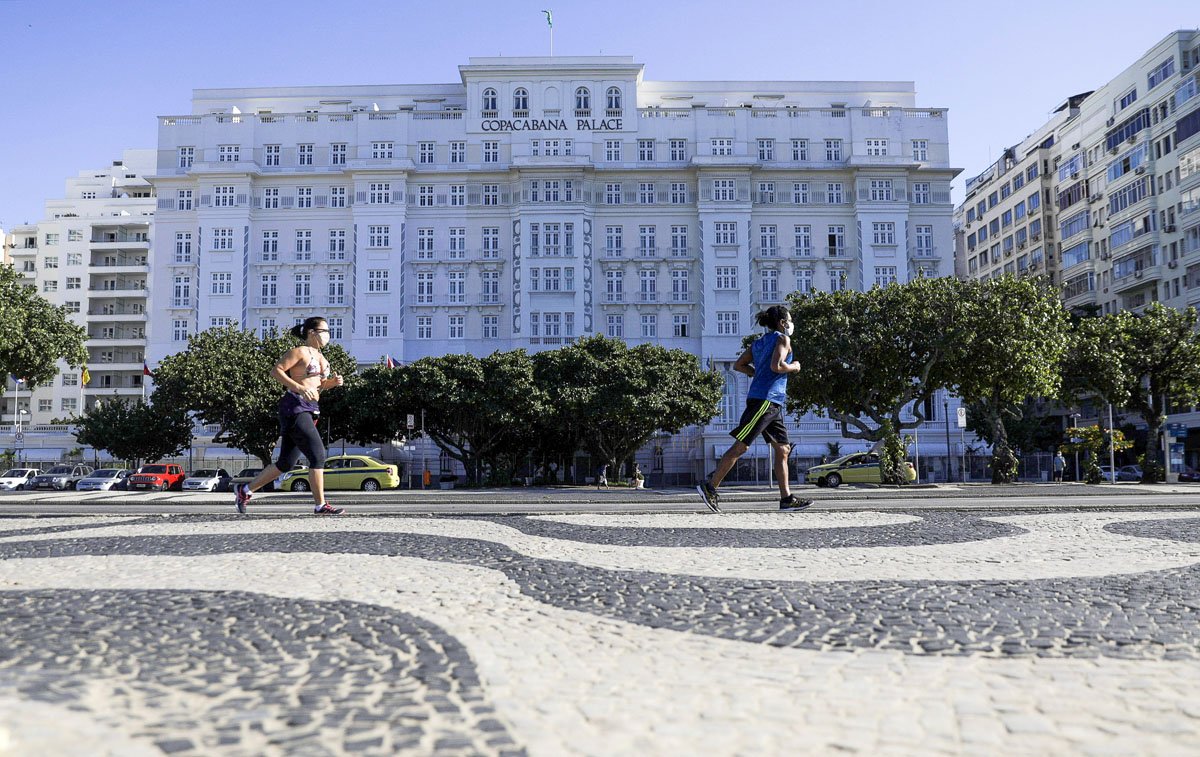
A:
(789, 328)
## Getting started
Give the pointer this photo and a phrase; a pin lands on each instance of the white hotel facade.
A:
(539, 200)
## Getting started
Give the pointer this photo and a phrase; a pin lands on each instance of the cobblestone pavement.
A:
(820, 632)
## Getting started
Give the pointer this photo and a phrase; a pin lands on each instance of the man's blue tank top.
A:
(767, 384)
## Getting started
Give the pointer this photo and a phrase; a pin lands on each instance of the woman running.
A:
(304, 372)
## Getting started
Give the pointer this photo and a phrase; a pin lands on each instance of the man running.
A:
(304, 372)
(768, 362)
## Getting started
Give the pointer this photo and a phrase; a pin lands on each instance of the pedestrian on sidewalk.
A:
(768, 363)
(1059, 464)
(602, 479)
(638, 480)
(304, 373)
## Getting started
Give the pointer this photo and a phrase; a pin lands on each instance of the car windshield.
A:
(58, 469)
(106, 473)
(249, 472)
(204, 473)
(14, 473)
(154, 469)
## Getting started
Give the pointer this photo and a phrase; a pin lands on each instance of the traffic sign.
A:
(962, 417)
(19, 439)
(1177, 429)
(412, 421)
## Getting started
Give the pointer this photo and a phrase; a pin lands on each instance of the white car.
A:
(16, 479)
(103, 480)
(207, 480)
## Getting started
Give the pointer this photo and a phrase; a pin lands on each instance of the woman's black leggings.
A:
(299, 431)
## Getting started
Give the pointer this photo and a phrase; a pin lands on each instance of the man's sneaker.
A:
(793, 503)
(328, 509)
(709, 495)
(241, 494)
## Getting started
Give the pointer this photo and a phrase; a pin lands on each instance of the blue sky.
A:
(81, 81)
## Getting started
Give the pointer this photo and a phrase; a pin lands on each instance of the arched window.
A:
(520, 99)
(614, 98)
(489, 99)
(583, 99)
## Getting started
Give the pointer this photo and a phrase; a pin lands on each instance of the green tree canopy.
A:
(224, 377)
(134, 430)
(35, 335)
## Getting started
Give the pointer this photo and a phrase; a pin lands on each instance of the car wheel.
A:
(833, 480)
(370, 485)
(300, 485)
(162, 486)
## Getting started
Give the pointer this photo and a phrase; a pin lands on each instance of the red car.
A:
(160, 476)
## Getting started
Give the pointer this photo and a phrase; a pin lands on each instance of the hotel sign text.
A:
(552, 124)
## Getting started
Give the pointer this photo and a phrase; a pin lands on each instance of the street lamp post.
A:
(946, 418)
(1075, 425)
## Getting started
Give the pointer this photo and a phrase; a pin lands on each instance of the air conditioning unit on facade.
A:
(1169, 228)
(1137, 274)
(1172, 264)
(1110, 122)
(1104, 256)
(1140, 170)
(1075, 146)
(1112, 150)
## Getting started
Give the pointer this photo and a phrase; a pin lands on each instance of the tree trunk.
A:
(1004, 462)
(1153, 465)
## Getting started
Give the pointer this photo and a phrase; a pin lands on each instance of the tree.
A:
(620, 397)
(35, 335)
(871, 355)
(224, 377)
(1092, 440)
(1012, 336)
(134, 431)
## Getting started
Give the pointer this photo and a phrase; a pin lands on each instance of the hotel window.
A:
(458, 243)
(679, 285)
(612, 241)
(382, 150)
(1161, 73)
(424, 244)
(612, 149)
(766, 192)
(520, 102)
(50, 262)
(490, 288)
(836, 240)
(770, 284)
(802, 241)
(229, 153)
(613, 100)
(458, 152)
(552, 279)
(455, 324)
(303, 288)
(223, 197)
(377, 281)
(424, 288)
(268, 288)
(727, 323)
(335, 328)
(766, 149)
(222, 239)
(424, 327)
(881, 190)
(646, 193)
(179, 330)
(678, 149)
(490, 103)
(768, 239)
(833, 149)
(337, 154)
(304, 197)
(648, 280)
(271, 198)
(614, 286)
(835, 193)
(183, 199)
(725, 232)
(337, 197)
(74, 258)
(883, 233)
(646, 240)
(337, 244)
(491, 151)
(804, 281)
(425, 196)
(270, 246)
(380, 193)
(678, 193)
(799, 149)
(491, 194)
(491, 327)
(925, 240)
(458, 195)
(69, 404)
(679, 324)
(649, 326)
(727, 277)
(837, 281)
(920, 194)
(679, 241)
(721, 146)
(222, 283)
(74, 282)
(535, 279)
(612, 194)
(183, 247)
(583, 100)
(271, 155)
(49, 286)
(186, 156)
(377, 326)
(920, 150)
(426, 153)
(303, 245)
(337, 288)
(800, 194)
(646, 149)
(724, 190)
(884, 275)
(877, 147)
(535, 240)
(615, 326)
(491, 242)
(304, 155)
(182, 291)
(378, 236)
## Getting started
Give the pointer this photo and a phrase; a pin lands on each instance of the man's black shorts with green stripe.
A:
(761, 417)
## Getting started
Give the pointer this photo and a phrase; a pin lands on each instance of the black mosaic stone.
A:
(1180, 529)
(285, 670)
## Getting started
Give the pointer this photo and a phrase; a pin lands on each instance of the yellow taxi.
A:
(346, 472)
(857, 468)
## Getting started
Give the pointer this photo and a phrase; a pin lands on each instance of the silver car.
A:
(104, 480)
(61, 477)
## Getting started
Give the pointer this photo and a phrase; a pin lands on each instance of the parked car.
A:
(1106, 472)
(61, 477)
(246, 475)
(207, 480)
(17, 479)
(857, 468)
(347, 472)
(160, 476)
(1129, 473)
(104, 479)
(1189, 474)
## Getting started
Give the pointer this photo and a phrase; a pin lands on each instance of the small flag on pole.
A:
(17, 380)
(146, 370)
(390, 363)
(549, 18)
(86, 377)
